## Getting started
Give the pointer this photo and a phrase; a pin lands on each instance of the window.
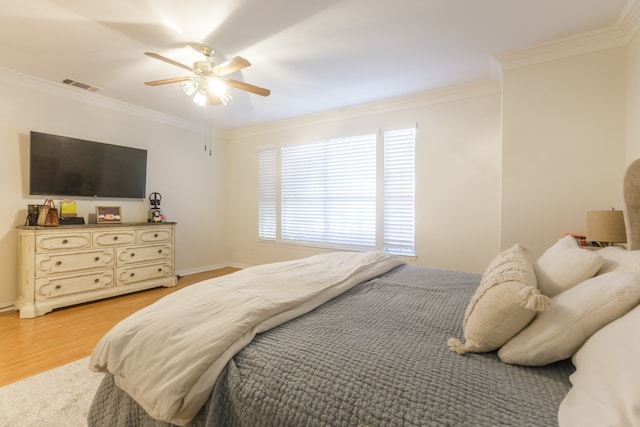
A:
(329, 192)
(267, 194)
(399, 191)
(339, 194)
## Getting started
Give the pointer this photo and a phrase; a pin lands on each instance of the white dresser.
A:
(66, 265)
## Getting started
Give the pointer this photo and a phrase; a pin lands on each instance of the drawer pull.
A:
(155, 235)
(97, 258)
(159, 251)
(160, 270)
(115, 237)
(96, 280)
(65, 241)
(58, 262)
(58, 286)
(132, 274)
(133, 254)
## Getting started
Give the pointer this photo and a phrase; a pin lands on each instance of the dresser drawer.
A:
(62, 262)
(135, 274)
(112, 238)
(62, 241)
(147, 253)
(154, 235)
(58, 286)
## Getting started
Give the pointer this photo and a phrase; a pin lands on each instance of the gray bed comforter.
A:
(375, 356)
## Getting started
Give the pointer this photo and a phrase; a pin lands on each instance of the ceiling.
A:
(314, 56)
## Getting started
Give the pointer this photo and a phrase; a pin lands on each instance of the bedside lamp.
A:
(606, 226)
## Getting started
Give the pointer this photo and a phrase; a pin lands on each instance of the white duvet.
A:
(168, 356)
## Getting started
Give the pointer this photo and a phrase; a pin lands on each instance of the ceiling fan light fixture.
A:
(200, 98)
(225, 98)
(219, 89)
(189, 87)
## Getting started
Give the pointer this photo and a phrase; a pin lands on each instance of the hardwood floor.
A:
(31, 346)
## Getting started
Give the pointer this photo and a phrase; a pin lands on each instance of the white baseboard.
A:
(7, 306)
(240, 266)
(204, 268)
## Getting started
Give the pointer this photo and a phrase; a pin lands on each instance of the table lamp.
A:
(606, 226)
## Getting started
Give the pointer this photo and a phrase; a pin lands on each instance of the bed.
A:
(545, 342)
(376, 355)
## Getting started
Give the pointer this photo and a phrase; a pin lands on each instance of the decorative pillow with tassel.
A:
(506, 301)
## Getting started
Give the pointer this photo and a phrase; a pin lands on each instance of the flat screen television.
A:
(70, 167)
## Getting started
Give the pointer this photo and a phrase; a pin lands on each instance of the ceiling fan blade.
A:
(249, 88)
(228, 67)
(167, 81)
(167, 60)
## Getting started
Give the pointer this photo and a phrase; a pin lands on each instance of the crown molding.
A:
(437, 96)
(74, 94)
(565, 47)
(612, 37)
(629, 20)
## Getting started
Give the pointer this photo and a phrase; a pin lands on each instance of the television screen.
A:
(62, 166)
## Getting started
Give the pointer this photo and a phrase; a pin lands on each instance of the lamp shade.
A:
(606, 226)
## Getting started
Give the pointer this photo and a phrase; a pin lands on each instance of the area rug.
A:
(57, 398)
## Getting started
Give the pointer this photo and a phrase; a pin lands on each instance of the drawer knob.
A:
(159, 251)
(115, 237)
(133, 254)
(58, 262)
(155, 235)
(160, 270)
(58, 286)
(132, 274)
(96, 280)
(97, 258)
(65, 241)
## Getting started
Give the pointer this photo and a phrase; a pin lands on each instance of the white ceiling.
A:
(314, 55)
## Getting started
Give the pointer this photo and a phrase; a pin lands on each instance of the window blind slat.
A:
(399, 191)
(267, 194)
(328, 193)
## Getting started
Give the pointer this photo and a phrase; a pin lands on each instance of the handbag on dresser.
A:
(48, 214)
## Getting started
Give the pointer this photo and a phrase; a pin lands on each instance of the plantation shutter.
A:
(267, 194)
(328, 193)
(399, 191)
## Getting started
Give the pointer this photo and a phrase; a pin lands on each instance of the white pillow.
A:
(619, 259)
(564, 265)
(606, 383)
(505, 302)
(574, 316)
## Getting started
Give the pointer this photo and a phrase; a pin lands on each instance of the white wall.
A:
(633, 100)
(192, 183)
(457, 173)
(563, 145)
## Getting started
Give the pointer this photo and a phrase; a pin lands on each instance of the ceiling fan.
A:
(208, 81)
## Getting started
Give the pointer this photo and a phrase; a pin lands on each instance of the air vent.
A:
(80, 85)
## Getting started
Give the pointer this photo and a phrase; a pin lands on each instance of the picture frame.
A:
(108, 214)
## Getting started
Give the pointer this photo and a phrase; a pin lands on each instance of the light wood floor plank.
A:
(31, 346)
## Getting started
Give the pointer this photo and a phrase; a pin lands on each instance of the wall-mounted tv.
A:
(63, 166)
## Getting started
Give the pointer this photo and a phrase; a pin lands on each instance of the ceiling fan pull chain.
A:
(211, 128)
(208, 128)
